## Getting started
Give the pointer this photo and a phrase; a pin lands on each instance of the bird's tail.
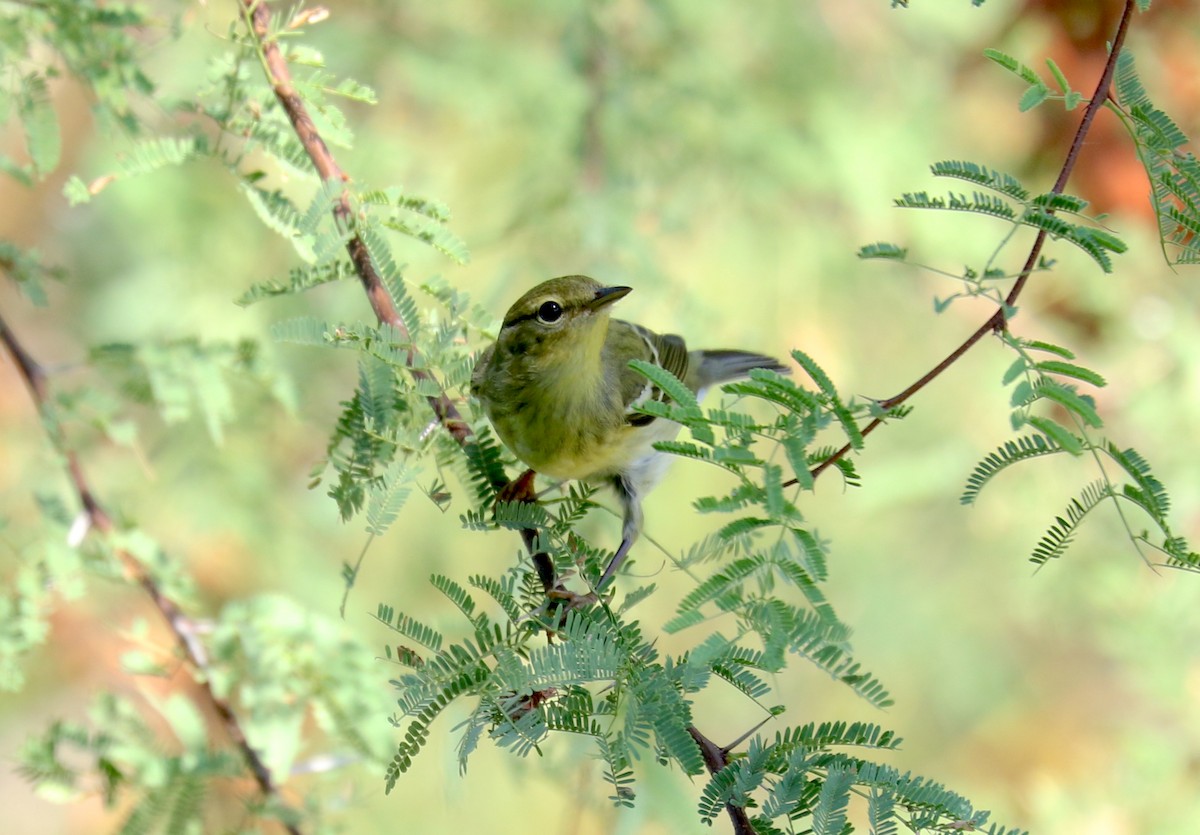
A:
(723, 366)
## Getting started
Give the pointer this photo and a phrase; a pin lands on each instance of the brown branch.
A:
(181, 625)
(280, 79)
(716, 758)
(998, 321)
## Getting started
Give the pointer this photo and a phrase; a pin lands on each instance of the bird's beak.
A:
(606, 296)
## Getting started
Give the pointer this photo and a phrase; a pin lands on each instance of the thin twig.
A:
(181, 625)
(998, 321)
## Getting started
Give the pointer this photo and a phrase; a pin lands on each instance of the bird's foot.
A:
(520, 489)
(566, 600)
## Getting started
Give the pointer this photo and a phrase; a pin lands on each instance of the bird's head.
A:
(563, 320)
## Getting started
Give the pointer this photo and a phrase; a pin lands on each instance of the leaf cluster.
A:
(175, 791)
(1068, 428)
(1172, 169)
(1007, 199)
(534, 665)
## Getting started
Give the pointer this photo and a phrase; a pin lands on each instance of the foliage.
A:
(1054, 382)
(126, 755)
(536, 656)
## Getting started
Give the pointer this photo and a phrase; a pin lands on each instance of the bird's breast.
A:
(567, 432)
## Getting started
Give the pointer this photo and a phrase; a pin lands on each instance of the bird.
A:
(558, 388)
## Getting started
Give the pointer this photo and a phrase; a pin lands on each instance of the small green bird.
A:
(558, 388)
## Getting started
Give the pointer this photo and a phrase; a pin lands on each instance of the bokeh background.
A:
(726, 160)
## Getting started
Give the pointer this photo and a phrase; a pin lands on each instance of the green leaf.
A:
(149, 155)
(435, 234)
(1000, 181)
(1149, 493)
(398, 622)
(1069, 399)
(1063, 437)
(351, 89)
(1012, 452)
(300, 279)
(882, 250)
(1066, 369)
(1018, 367)
(1012, 65)
(1035, 345)
(388, 497)
(1061, 533)
(279, 215)
(1054, 202)
(815, 371)
(722, 582)
(796, 449)
(303, 330)
(1032, 97)
(669, 383)
(1063, 84)
(829, 815)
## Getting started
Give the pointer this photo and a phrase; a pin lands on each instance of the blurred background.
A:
(727, 163)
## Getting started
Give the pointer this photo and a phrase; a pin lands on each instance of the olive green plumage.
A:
(558, 388)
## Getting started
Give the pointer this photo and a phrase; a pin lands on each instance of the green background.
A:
(726, 160)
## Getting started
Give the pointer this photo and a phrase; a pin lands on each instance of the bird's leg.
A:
(632, 505)
(521, 489)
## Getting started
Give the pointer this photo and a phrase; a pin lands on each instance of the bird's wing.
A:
(667, 351)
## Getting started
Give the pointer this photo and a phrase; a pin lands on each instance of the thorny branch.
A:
(181, 625)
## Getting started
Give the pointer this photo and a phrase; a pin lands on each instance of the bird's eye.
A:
(550, 312)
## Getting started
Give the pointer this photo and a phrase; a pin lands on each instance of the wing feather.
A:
(665, 350)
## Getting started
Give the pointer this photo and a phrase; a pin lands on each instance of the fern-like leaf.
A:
(883, 250)
(1012, 452)
(387, 497)
(1061, 533)
(299, 280)
(829, 815)
(398, 622)
(670, 384)
(1000, 181)
(1147, 491)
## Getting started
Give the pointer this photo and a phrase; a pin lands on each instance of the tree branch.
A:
(258, 15)
(181, 625)
(716, 758)
(998, 321)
